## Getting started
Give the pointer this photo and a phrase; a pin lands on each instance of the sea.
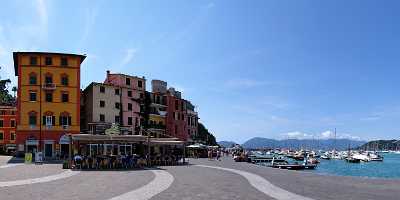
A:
(389, 168)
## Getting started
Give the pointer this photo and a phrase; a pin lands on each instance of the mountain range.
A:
(323, 144)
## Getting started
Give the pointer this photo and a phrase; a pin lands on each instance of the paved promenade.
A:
(202, 179)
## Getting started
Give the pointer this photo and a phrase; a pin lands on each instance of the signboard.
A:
(64, 139)
(28, 158)
(38, 157)
(20, 147)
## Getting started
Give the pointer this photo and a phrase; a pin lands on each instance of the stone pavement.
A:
(193, 182)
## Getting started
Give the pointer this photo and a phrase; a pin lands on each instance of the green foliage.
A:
(204, 135)
(5, 97)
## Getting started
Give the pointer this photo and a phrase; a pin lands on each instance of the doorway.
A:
(48, 150)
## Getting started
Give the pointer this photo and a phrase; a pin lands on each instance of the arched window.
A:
(65, 119)
(64, 79)
(49, 119)
(32, 78)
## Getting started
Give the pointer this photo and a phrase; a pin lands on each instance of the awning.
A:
(108, 138)
(166, 141)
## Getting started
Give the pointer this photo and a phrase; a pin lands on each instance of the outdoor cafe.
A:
(113, 151)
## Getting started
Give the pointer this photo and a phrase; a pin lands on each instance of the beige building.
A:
(102, 107)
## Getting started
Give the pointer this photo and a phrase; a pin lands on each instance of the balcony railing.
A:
(49, 86)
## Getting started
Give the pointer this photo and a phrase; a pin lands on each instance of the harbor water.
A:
(389, 168)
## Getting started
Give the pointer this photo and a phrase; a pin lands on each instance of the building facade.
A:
(192, 121)
(101, 107)
(48, 100)
(8, 123)
(176, 115)
(158, 108)
(133, 90)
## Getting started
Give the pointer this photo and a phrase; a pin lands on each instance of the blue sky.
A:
(276, 69)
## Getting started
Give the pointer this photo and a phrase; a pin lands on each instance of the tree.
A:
(204, 135)
(5, 97)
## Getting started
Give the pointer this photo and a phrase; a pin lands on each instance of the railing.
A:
(49, 86)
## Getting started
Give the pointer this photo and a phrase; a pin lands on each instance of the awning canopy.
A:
(108, 138)
(125, 139)
(197, 146)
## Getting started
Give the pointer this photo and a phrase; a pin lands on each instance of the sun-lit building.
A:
(48, 100)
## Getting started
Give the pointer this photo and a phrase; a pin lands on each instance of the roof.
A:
(15, 55)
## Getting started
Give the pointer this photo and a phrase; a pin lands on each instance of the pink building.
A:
(132, 97)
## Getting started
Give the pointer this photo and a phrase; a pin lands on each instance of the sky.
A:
(274, 69)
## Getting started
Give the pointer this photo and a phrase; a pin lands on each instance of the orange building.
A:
(48, 100)
(8, 122)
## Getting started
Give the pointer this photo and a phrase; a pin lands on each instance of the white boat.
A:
(362, 157)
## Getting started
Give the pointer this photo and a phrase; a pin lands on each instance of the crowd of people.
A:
(109, 162)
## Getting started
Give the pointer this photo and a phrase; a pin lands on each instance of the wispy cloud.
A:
(371, 118)
(42, 12)
(90, 21)
(323, 135)
(129, 56)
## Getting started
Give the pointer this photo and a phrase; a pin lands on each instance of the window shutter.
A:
(44, 120)
(69, 120)
(53, 119)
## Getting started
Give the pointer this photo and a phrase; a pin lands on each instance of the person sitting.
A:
(78, 161)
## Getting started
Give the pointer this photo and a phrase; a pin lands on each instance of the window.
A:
(128, 81)
(32, 96)
(12, 123)
(48, 79)
(129, 120)
(49, 97)
(129, 93)
(64, 61)
(176, 105)
(1, 123)
(117, 105)
(102, 104)
(32, 79)
(129, 106)
(65, 120)
(12, 112)
(49, 120)
(12, 136)
(3, 112)
(33, 60)
(116, 91)
(116, 119)
(49, 61)
(141, 95)
(64, 80)
(64, 97)
(140, 84)
(102, 118)
(102, 89)
(1, 135)
(32, 120)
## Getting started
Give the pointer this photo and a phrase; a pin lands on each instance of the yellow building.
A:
(48, 100)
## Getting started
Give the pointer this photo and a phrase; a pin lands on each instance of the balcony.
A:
(49, 86)
(159, 113)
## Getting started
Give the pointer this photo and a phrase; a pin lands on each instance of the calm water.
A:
(389, 168)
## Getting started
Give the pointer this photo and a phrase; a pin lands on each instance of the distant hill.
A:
(326, 144)
(226, 143)
(381, 145)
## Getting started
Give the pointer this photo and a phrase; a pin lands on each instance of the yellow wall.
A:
(57, 107)
(157, 119)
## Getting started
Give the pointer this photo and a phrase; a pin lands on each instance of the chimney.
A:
(108, 72)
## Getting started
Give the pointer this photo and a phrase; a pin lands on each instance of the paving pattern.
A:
(202, 179)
